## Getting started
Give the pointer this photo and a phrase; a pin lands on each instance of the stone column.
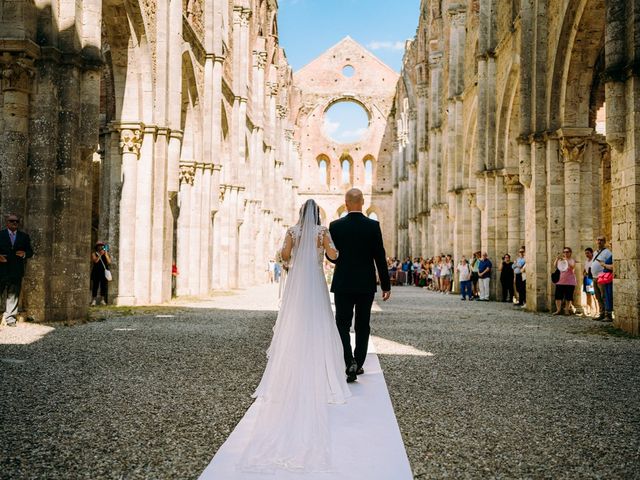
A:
(538, 288)
(223, 236)
(573, 150)
(130, 145)
(475, 222)
(186, 178)
(514, 192)
(17, 71)
(141, 261)
(622, 91)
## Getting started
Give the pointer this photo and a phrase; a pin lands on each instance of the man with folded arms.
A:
(15, 248)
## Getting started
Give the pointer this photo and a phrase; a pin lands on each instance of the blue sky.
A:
(307, 28)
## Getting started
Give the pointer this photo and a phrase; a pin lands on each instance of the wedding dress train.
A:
(305, 368)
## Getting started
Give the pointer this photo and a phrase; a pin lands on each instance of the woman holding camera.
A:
(566, 284)
(100, 260)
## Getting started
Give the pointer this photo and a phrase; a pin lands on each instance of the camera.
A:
(105, 247)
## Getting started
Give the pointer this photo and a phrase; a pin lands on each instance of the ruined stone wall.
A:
(321, 84)
(508, 94)
(49, 101)
(183, 107)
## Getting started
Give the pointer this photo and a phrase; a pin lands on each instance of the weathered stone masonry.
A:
(504, 149)
(179, 110)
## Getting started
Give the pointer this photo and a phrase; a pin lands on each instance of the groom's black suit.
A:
(358, 240)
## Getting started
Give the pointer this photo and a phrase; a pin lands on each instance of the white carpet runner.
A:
(366, 440)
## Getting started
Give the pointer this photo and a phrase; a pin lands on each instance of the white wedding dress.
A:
(305, 368)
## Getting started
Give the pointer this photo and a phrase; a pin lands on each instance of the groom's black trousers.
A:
(345, 303)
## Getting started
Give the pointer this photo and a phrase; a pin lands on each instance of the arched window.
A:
(323, 171)
(373, 216)
(368, 171)
(346, 172)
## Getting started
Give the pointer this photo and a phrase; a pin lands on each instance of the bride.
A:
(304, 372)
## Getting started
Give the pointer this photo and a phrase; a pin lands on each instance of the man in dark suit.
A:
(358, 240)
(15, 248)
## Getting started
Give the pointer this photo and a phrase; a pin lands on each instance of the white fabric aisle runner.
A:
(366, 440)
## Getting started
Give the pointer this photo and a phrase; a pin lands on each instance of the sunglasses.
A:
(13, 221)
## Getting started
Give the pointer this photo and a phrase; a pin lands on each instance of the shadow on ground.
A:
(510, 394)
(131, 397)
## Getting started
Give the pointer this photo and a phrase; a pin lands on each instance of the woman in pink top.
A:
(567, 283)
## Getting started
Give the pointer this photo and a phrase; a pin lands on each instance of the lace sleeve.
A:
(283, 256)
(327, 243)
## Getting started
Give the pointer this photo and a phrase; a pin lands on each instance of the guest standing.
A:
(15, 248)
(484, 273)
(588, 287)
(101, 260)
(445, 274)
(506, 278)
(475, 277)
(565, 287)
(464, 275)
(602, 265)
(519, 267)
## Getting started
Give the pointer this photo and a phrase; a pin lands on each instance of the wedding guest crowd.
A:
(474, 278)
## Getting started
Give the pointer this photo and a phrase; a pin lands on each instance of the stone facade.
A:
(501, 147)
(159, 127)
(318, 86)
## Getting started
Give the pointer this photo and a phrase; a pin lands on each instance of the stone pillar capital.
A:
(130, 138)
(241, 15)
(273, 88)
(282, 111)
(215, 58)
(512, 183)
(187, 173)
(573, 148)
(260, 59)
(16, 71)
(458, 16)
(435, 60)
(177, 134)
(471, 199)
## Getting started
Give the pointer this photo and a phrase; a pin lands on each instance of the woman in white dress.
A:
(305, 368)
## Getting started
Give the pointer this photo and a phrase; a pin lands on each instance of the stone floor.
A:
(479, 389)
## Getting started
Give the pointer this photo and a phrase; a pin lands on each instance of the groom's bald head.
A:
(354, 200)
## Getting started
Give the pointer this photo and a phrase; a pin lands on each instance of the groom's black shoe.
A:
(352, 372)
(360, 371)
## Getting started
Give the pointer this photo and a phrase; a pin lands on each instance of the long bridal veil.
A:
(305, 368)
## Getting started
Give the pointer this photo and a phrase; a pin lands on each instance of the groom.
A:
(358, 240)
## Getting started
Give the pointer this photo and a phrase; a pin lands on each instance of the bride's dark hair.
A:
(316, 211)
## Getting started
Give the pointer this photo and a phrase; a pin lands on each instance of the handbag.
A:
(107, 273)
(605, 278)
(555, 276)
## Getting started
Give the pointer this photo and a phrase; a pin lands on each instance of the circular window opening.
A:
(346, 121)
(348, 71)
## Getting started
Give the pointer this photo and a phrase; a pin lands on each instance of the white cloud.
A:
(385, 45)
(353, 134)
(330, 127)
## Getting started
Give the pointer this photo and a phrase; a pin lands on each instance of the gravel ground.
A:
(139, 395)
